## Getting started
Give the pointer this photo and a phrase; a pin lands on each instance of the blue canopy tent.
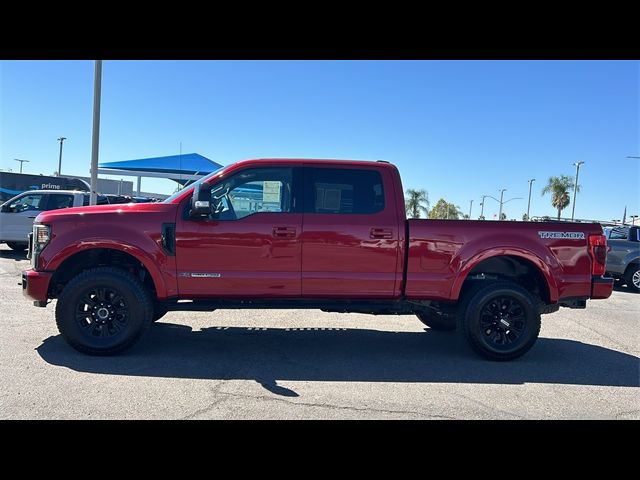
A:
(180, 168)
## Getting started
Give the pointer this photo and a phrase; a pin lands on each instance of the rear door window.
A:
(56, 202)
(343, 191)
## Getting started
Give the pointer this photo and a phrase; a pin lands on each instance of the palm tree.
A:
(416, 201)
(559, 187)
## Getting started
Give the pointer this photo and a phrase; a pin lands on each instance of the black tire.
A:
(501, 321)
(159, 311)
(632, 277)
(80, 307)
(18, 246)
(434, 322)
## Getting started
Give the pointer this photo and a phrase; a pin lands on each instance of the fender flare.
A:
(471, 263)
(141, 255)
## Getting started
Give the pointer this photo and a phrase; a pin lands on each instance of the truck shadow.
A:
(617, 287)
(267, 355)
(17, 256)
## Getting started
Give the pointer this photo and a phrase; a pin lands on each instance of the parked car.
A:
(324, 234)
(17, 213)
(623, 259)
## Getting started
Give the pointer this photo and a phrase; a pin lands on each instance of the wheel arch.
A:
(122, 256)
(511, 264)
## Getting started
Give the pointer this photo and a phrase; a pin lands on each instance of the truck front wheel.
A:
(103, 311)
(501, 321)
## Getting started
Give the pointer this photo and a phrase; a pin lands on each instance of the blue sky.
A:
(458, 129)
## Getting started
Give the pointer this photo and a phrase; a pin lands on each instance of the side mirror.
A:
(200, 202)
(5, 209)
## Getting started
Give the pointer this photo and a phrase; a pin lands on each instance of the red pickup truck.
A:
(326, 234)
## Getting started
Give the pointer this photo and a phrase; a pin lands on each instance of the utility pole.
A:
(575, 189)
(61, 139)
(529, 204)
(502, 190)
(97, 85)
(21, 162)
(470, 207)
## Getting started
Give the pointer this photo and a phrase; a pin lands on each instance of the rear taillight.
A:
(598, 253)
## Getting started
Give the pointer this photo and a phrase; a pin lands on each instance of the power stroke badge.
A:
(569, 235)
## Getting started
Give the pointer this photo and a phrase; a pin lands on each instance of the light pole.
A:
(575, 188)
(629, 156)
(21, 162)
(61, 139)
(502, 190)
(500, 201)
(97, 84)
(482, 206)
(470, 207)
(633, 219)
(529, 204)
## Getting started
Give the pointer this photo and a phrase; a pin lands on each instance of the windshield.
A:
(191, 185)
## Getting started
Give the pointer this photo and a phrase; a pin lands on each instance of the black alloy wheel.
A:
(103, 311)
(501, 321)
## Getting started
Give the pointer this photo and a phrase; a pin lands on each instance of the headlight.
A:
(40, 237)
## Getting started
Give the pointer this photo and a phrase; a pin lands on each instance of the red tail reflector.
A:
(598, 253)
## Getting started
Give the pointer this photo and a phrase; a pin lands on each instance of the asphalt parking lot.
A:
(305, 364)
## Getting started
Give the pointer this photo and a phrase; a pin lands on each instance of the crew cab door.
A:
(350, 236)
(17, 215)
(249, 246)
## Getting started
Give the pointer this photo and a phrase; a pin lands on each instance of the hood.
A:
(96, 212)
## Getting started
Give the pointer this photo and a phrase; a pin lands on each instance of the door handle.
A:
(284, 232)
(381, 233)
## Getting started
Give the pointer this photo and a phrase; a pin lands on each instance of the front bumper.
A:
(601, 287)
(35, 286)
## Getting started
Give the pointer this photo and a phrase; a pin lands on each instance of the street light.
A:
(529, 204)
(633, 219)
(500, 201)
(21, 162)
(470, 207)
(629, 156)
(502, 190)
(575, 189)
(482, 206)
(61, 139)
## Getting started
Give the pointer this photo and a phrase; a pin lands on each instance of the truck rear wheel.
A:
(103, 311)
(501, 321)
(433, 321)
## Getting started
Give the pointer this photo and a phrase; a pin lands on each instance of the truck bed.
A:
(443, 252)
